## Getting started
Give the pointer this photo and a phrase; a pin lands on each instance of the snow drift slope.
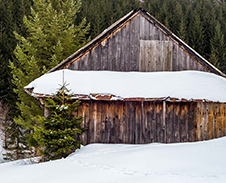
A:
(201, 162)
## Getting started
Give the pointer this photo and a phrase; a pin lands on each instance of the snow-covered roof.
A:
(189, 85)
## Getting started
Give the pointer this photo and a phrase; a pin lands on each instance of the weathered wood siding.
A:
(137, 46)
(151, 121)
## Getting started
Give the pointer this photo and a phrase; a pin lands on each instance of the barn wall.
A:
(137, 46)
(145, 122)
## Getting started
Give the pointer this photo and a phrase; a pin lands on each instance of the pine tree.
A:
(218, 48)
(11, 13)
(53, 37)
(58, 134)
(197, 35)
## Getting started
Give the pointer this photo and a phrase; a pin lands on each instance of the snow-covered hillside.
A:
(200, 162)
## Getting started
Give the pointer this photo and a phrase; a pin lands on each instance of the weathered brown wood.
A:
(218, 121)
(137, 124)
(184, 122)
(210, 121)
(222, 119)
(118, 50)
(110, 51)
(191, 121)
(169, 122)
(137, 46)
(145, 121)
(112, 122)
(104, 53)
(199, 121)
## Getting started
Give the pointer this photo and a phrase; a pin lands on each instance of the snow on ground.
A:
(200, 162)
(182, 84)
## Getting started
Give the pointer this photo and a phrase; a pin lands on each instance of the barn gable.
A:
(137, 42)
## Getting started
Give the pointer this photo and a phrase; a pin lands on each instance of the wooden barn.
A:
(139, 43)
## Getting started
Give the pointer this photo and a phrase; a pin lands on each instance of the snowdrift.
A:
(200, 162)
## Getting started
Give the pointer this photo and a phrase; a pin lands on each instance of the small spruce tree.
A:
(58, 134)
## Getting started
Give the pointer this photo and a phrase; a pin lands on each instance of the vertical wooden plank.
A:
(123, 39)
(112, 121)
(120, 120)
(151, 121)
(222, 119)
(110, 52)
(184, 122)
(86, 62)
(98, 122)
(176, 122)
(103, 121)
(210, 121)
(169, 122)
(118, 42)
(108, 123)
(168, 56)
(142, 56)
(199, 121)
(218, 120)
(206, 122)
(146, 126)
(131, 122)
(138, 133)
(225, 119)
(142, 28)
(159, 127)
(90, 124)
(104, 51)
(191, 122)
(175, 61)
(203, 123)
(146, 56)
(80, 112)
(151, 31)
(150, 62)
(162, 57)
(96, 60)
(215, 124)
(158, 54)
(148, 106)
(124, 122)
(134, 43)
(164, 121)
(94, 114)
(156, 33)
(146, 29)
(127, 47)
(179, 58)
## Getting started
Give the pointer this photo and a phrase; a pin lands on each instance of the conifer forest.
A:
(36, 35)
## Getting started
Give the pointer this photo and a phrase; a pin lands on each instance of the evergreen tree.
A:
(197, 35)
(58, 134)
(53, 36)
(218, 49)
(11, 13)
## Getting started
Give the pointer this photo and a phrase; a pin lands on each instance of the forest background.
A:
(200, 23)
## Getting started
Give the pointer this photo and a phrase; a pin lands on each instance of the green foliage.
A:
(53, 37)
(11, 19)
(58, 134)
(218, 49)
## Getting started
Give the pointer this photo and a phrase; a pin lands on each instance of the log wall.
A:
(138, 45)
(137, 122)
